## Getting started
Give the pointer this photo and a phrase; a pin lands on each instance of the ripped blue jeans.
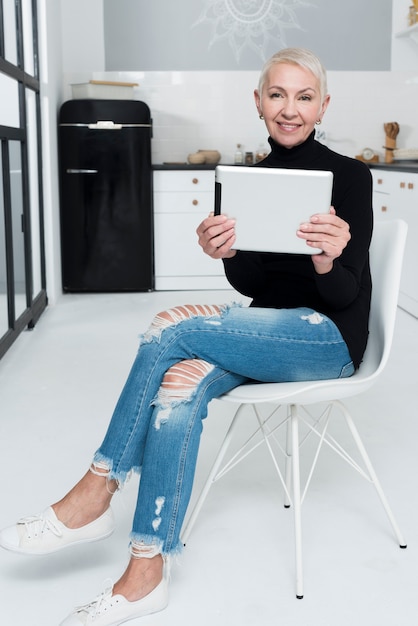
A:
(189, 356)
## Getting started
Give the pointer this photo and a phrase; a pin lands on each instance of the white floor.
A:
(58, 385)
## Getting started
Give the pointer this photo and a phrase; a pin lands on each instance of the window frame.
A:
(35, 302)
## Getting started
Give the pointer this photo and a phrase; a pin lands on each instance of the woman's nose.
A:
(289, 108)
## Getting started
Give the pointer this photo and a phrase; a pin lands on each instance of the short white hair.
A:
(298, 56)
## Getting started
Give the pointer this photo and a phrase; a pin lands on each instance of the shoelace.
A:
(96, 607)
(36, 524)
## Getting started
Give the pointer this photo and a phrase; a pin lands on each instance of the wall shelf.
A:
(411, 32)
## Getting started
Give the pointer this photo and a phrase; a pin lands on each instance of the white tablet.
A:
(270, 203)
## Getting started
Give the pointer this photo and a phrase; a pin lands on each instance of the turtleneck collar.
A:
(306, 151)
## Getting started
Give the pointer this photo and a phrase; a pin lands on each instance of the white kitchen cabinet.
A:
(395, 195)
(182, 199)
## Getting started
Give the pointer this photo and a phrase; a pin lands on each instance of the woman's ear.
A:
(257, 100)
(325, 104)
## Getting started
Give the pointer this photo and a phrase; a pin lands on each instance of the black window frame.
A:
(35, 303)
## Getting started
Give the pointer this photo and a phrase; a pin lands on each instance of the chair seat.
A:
(308, 392)
(304, 392)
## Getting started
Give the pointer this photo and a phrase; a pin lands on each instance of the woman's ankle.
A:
(84, 503)
(140, 578)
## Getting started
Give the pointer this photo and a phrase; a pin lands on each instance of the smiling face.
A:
(290, 103)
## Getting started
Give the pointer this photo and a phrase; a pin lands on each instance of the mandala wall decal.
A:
(250, 23)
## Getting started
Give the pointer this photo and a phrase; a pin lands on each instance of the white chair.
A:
(386, 256)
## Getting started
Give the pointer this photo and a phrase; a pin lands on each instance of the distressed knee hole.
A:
(179, 384)
(173, 316)
(182, 379)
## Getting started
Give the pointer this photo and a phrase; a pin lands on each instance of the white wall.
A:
(215, 110)
(71, 39)
(82, 39)
(49, 21)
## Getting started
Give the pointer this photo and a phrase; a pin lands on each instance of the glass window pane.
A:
(9, 112)
(29, 65)
(9, 25)
(4, 323)
(16, 189)
(34, 191)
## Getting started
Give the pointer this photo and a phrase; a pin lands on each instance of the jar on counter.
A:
(238, 157)
(261, 153)
(249, 158)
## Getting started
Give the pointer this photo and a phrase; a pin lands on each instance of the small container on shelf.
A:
(261, 153)
(238, 156)
(249, 158)
(103, 89)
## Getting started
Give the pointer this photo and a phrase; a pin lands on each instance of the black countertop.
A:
(183, 166)
(396, 166)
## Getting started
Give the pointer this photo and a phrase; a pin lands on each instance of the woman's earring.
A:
(318, 122)
(261, 116)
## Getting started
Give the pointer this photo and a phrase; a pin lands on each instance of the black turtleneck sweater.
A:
(288, 281)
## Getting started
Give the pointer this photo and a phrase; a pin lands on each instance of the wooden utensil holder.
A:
(390, 146)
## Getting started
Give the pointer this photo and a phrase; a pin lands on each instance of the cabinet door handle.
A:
(195, 181)
(402, 185)
(380, 181)
(195, 202)
(410, 185)
(384, 209)
(81, 171)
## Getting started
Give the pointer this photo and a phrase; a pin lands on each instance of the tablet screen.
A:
(269, 204)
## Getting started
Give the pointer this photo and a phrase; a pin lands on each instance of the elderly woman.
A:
(308, 319)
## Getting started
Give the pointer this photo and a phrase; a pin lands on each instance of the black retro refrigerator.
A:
(106, 196)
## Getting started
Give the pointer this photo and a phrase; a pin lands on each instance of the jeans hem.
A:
(122, 477)
(155, 543)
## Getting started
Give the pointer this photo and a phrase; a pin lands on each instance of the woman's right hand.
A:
(216, 236)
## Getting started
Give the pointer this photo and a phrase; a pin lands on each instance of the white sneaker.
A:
(108, 610)
(44, 533)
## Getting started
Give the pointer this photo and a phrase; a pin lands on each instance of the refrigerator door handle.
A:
(81, 171)
(105, 125)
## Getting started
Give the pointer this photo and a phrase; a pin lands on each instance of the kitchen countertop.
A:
(183, 166)
(396, 166)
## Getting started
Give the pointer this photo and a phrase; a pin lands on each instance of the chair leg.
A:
(373, 476)
(288, 465)
(296, 499)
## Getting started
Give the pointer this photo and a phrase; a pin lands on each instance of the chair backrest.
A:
(386, 256)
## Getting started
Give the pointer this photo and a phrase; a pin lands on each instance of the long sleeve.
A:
(353, 201)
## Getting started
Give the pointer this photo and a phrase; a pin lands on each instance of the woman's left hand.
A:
(329, 233)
